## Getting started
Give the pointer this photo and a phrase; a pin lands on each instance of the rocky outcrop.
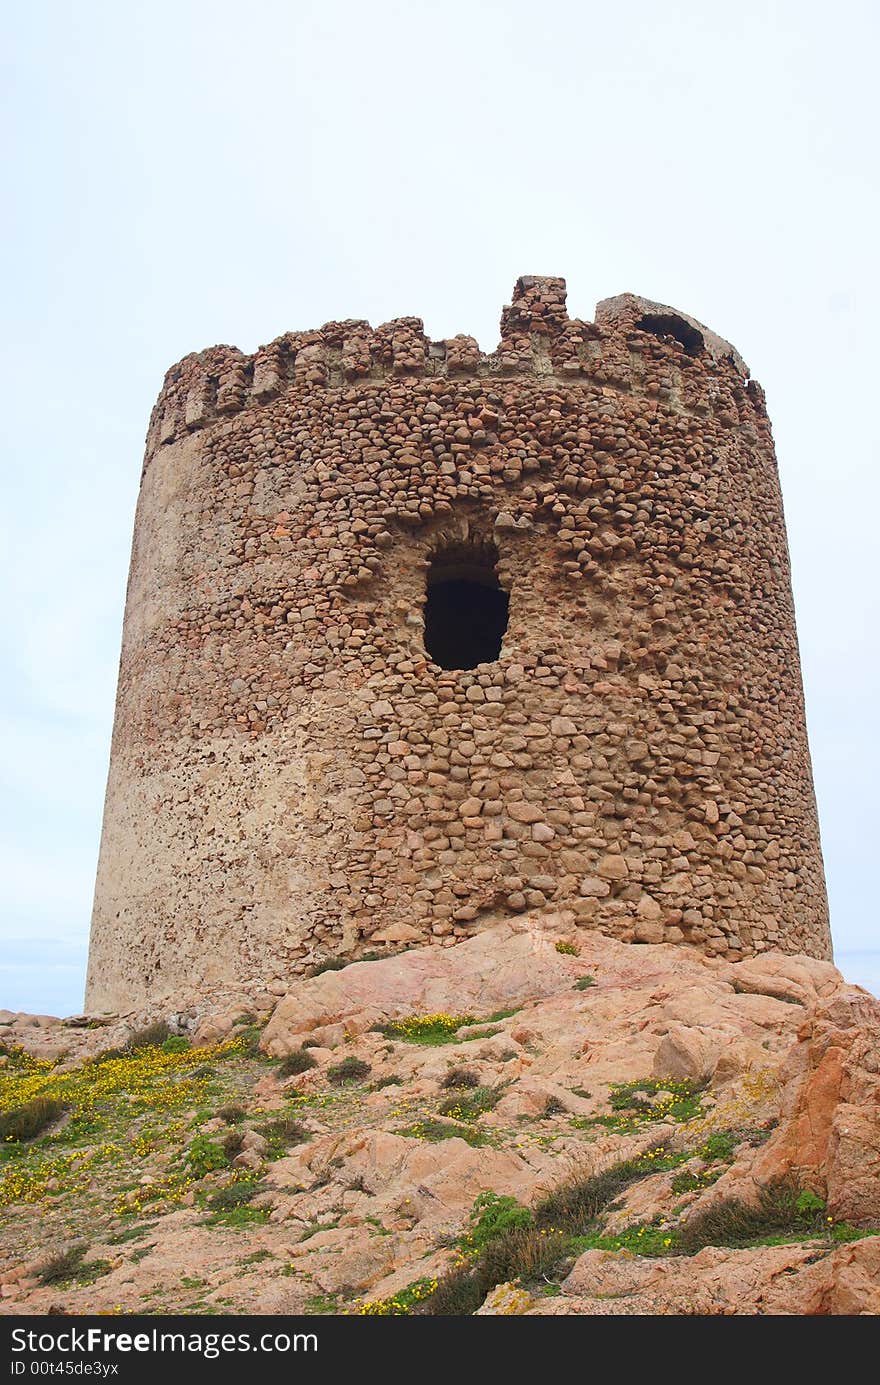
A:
(564, 1054)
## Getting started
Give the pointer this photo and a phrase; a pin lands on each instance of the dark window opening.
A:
(466, 608)
(670, 325)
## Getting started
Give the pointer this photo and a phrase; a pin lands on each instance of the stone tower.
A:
(417, 638)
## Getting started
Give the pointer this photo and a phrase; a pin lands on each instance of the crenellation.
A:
(292, 775)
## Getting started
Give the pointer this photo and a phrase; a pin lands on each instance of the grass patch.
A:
(234, 1195)
(574, 1205)
(70, 1266)
(782, 1209)
(400, 1304)
(471, 1105)
(27, 1121)
(493, 1215)
(631, 1107)
(392, 1080)
(428, 1128)
(151, 1036)
(349, 1070)
(131, 1233)
(521, 1253)
(584, 983)
(239, 1217)
(427, 1029)
(282, 1133)
(322, 1303)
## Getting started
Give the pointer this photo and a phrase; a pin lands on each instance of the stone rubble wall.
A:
(292, 779)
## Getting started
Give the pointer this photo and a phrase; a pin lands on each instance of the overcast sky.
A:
(180, 174)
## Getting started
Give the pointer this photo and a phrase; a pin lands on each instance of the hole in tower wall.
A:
(466, 608)
(671, 325)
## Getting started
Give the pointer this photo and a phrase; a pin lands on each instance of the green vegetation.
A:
(584, 983)
(428, 1128)
(400, 1304)
(31, 1119)
(575, 1203)
(427, 1029)
(440, 1028)
(639, 1103)
(70, 1266)
(507, 1242)
(782, 1209)
(493, 1215)
(299, 1061)
(567, 949)
(234, 1195)
(203, 1156)
(470, 1106)
(281, 1133)
(522, 1253)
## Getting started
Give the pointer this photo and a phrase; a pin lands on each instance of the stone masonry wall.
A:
(291, 777)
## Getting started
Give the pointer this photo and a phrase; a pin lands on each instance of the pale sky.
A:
(181, 174)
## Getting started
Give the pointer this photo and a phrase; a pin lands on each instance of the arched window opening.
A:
(671, 325)
(466, 607)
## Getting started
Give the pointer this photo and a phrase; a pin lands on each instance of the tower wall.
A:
(291, 777)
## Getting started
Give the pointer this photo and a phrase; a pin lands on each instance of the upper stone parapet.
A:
(538, 339)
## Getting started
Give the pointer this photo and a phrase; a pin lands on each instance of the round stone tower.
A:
(418, 638)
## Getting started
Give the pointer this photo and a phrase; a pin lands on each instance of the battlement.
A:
(538, 339)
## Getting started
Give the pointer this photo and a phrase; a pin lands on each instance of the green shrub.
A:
(392, 1079)
(520, 1253)
(176, 1043)
(204, 1156)
(349, 1070)
(282, 1132)
(469, 1106)
(329, 964)
(567, 949)
(299, 1061)
(234, 1195)
(27, 1121)
(494, 1215)
(247, 1041)
(584, 983)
